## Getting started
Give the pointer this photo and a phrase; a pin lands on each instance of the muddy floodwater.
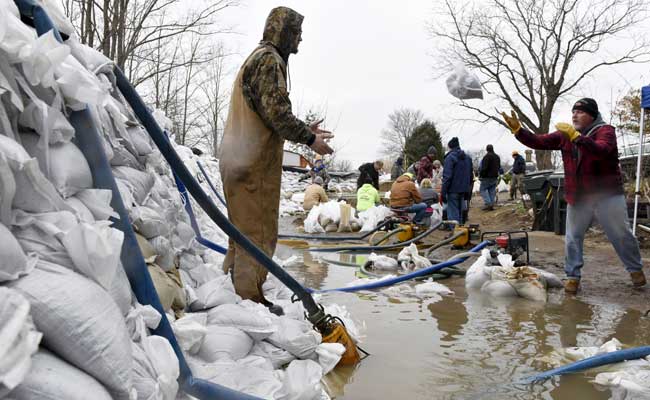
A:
(466, 345)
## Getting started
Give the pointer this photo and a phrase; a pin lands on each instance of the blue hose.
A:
(214, 189)
(592, 362)
(195, 226)
(88, 140)
(402, 278)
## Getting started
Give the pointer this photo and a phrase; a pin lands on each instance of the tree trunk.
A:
(543, 158)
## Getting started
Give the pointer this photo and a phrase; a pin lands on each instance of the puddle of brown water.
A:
(466, 346)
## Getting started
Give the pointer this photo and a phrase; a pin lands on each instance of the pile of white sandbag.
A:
(61, 278)
(506, 280)
(332, 216)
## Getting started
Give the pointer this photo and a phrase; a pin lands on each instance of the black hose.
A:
(315, 312)
(388, 236)
(442, 243)
(335, 238)
(373, 248)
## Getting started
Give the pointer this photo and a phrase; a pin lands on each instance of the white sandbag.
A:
(63, 163)
(197, 272)
(301, 380)
(383, 263)
(183, 237)
(7, 189)
(479, 272)
(80, 209)
(528, 284)
(98, 202)
(149, 223)
(155, 369)
(126, 194)
(124, 158)
(214, 293)
(329, 354)
(410, 259)
(311, 224)
(18, 339)
(39, 233)
(225, 342)
(498, 288)
(34, 193)
(190, 331)
(464, 85)
(257, 323)
(552, 280)
(81, 323)
(51, 378)
(430, 286)
(278, 357)
(297, 337)
(95, 250)
(372, 216)
(13, 261)
(139, 182)
(140, 140)
(164, 252)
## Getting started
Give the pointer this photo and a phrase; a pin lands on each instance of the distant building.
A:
(293, 159)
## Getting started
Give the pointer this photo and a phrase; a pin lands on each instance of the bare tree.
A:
(401, 124)
(530, 53)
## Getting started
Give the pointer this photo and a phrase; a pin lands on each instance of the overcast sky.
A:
(360, 60)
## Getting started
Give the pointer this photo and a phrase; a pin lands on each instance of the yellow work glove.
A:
(512, 121)
(568, 130)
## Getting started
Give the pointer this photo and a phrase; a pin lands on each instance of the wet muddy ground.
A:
(469, 346)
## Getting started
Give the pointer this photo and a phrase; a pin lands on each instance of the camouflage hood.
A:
(282, 27)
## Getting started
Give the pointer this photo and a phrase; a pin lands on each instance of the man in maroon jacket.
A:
(593, 186)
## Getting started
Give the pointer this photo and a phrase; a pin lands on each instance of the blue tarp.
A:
(645, 97)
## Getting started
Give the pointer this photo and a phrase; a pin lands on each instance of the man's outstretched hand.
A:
(320, 145)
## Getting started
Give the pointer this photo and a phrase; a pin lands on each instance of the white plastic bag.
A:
(51, 378)
(410, 259)
(464, 85)
(81, 323)
(311, 223)
(479, 272)
(383, 263)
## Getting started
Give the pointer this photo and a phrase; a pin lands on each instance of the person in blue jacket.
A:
(457, 180)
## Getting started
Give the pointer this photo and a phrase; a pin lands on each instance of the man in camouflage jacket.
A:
(259, 121)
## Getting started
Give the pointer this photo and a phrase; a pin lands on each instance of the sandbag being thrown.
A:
(81, 323)
(464, 85)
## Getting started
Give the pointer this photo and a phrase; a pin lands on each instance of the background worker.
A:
(367, 195)
(457, 179)
(370, 170)
(427, 192)
(517, 174)
(489, 175)
(425, 168)
(314, 194)
(593, 186)
(398, 168)
(320, 169)
(259, 121)
(405, 195)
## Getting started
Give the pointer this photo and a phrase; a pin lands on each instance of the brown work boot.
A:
(638, 278)
(571, 286)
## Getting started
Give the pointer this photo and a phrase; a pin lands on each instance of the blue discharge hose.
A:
(214, 189)
(415, 274)
(592, 362)
(315, 313)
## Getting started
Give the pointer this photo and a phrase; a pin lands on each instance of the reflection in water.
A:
(467, 345)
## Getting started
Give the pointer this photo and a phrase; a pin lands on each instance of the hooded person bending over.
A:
(259, 121)
(593, 186)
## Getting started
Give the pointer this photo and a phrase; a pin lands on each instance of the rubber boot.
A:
(571, 286)
(638, 278)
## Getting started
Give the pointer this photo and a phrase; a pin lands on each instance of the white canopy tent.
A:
(645, 104)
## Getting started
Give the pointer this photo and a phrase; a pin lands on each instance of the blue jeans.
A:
(455, 207)
(488, 190)
(420, 210)
(611, 212)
